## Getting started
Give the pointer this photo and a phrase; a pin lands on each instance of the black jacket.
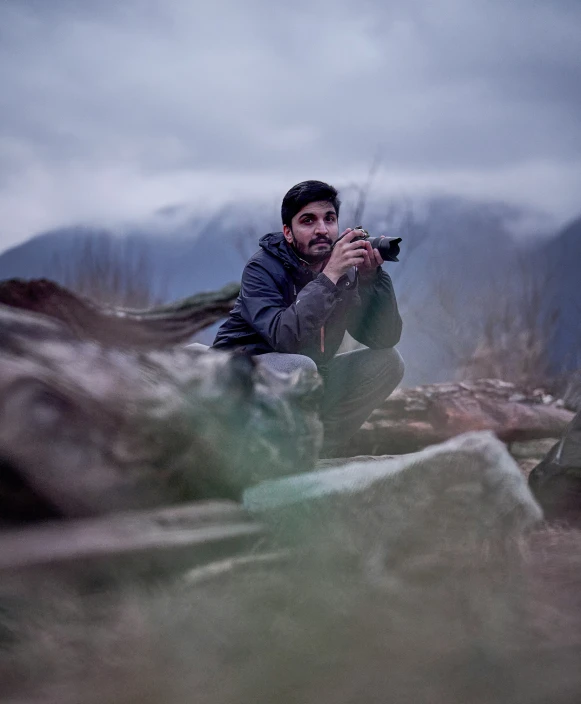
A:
(284, 307)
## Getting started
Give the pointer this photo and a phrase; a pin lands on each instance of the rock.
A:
(411, 419)
(532, 449)
(87, 428)
(130, 546)
(556, 481)
(334, 462)
(401, 512)
(85, 319)
(528, 454)
(526, 465)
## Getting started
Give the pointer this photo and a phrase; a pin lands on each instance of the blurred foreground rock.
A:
(451, 498)
(403, 579)
(411, 419)
(458, 496)
(88, 428)
(85, 319)
(124, 547)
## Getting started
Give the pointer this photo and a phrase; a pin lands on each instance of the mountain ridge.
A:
(452, 248)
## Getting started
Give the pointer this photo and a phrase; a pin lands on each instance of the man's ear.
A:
(287, 232)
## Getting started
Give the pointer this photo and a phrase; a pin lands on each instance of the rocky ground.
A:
(529, 454)
(416, 567)
(529, 422)
(426, 577)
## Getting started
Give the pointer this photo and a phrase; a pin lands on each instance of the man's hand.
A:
(372, 259)
(346, 254)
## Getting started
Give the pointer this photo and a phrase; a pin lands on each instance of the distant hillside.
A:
(560, 259)
(180, 263)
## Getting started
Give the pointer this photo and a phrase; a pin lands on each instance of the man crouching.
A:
(300, 293)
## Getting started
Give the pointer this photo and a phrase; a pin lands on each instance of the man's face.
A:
(313, 230)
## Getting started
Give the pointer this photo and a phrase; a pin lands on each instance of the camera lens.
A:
(388, 247)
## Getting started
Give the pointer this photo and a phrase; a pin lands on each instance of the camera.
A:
(388, 246)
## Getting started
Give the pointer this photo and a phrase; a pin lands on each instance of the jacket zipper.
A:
(322, 329)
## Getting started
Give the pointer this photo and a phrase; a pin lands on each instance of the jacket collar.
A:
(274, 243)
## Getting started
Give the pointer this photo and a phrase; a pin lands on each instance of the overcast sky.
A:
(110, 109)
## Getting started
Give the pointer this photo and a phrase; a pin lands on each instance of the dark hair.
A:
(304, 193)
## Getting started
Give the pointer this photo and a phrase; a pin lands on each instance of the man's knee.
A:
(286, 363)
(395, 363)
(388, 364)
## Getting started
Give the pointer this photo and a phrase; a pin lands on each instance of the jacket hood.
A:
(274, 243)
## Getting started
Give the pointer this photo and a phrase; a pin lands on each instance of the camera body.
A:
(388, 246)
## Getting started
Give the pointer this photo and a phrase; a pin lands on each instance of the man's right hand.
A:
(345, 255)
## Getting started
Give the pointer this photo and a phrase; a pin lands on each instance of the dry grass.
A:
(304, 633)
(111, 271)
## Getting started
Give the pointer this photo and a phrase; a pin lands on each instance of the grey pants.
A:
(355, 384)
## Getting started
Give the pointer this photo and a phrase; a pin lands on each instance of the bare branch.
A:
(364, 190)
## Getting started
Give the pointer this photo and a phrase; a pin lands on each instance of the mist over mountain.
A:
(456, 257)
(560, 261)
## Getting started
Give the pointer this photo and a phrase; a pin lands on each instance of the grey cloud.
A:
(152, 90)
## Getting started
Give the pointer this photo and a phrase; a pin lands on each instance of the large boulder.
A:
(88, 428)
(462, 497)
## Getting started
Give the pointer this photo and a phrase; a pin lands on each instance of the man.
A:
(300, 294)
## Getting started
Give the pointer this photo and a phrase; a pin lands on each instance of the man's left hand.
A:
(371, 260)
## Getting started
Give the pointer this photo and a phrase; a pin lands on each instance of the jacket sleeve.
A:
(376, 322)
(286, 328)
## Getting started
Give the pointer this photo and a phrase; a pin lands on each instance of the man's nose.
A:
(321, 228)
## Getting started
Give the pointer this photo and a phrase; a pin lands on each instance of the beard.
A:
(312, 257)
